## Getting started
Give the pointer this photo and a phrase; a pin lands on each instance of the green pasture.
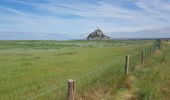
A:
(39, 70)
(152, 79)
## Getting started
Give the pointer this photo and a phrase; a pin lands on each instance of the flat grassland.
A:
(40, 69)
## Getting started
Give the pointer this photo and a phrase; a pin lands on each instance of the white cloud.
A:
(112, 18)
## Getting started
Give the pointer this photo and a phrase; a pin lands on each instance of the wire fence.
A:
(90, 77)
(79, 78)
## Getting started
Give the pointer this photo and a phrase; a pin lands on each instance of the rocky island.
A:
(98, 35)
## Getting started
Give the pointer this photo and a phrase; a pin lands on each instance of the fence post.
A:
(126, 64)
(142, 57)
(71, 89)
(150, 51)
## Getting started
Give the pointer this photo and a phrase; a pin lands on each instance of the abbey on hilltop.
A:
(98, 35)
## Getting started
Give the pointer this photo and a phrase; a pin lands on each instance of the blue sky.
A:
(74, 19)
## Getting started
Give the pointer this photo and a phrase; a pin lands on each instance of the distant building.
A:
(98, 35)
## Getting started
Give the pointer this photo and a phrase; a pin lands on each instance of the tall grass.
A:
(40, 69)
(152, 78)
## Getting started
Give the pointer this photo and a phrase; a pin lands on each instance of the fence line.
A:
(78, 78)
(95, 71)
(50, 90)
(158, 45)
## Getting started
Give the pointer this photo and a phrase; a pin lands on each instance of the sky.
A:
(75, 19)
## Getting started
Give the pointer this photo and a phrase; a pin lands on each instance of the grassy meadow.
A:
(39, 70)
(152, 79)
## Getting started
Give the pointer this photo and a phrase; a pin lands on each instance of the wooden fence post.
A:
(71, 89)
(142, 58)
(126, 64)
(150, 51)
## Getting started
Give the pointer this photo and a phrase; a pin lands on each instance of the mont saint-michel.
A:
(98, 34)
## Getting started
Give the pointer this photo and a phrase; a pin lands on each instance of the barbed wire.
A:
(78, 78)
(50, 90)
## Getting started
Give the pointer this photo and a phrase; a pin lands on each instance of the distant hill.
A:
(143, 34)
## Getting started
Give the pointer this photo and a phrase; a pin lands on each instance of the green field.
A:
(39, 70)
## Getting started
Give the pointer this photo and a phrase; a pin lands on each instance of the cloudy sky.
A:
(74, 19)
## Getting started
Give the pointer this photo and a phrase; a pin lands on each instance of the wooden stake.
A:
(142, 57)
(150, 51)
(126, 64)
(71, 89)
